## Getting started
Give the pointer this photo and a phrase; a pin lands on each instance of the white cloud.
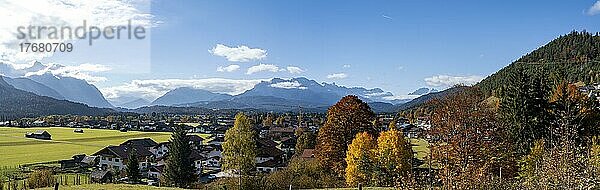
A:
(594, 9)
(294, 70)
(152, 89)
(83, 71)
(229, 68)
(347, 66)
(289, 85)
(400, 97)
(261, 68)
(446, 80)
(58, 13)
(238, 54)
(337, 76)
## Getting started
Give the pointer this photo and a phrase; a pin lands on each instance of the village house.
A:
(281, 132)
(411, 131)
(156, 169)
(217, 140)
(161, 149)
(155, 172)
(115, 157)
(287, 145)
(268, 157)
(269, 166)
(147, 143)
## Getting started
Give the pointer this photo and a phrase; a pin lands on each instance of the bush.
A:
(303, 174)
(40, 178)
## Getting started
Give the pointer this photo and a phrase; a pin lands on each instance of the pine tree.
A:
(179, 169)
(524, 107)
(133, 166)
(239, 148)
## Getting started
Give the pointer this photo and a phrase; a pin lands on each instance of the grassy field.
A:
(111, 186)
(15, 149)
(420, 146)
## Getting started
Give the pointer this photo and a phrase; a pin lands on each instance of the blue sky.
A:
(398, 46)
(394, 45)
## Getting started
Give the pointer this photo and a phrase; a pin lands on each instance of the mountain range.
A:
(278, 95)
(18, 103)
(186, 95)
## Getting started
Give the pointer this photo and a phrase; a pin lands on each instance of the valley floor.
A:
(15, 149)
(110, 186)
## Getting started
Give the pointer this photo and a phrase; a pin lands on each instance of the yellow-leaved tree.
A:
(394, 154)
(360, 159)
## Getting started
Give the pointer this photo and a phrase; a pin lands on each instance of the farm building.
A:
(78, 130)
(39, 134)
(102, 176)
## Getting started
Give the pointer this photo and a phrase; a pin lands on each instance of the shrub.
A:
(40, 178)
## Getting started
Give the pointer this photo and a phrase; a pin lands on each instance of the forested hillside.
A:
(574, 57)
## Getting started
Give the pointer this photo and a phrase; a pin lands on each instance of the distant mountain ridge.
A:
(277, 95)
(423, 91)
(137, 103)
(73, 89)
(29, 85)
(18, 103)
(186, 95)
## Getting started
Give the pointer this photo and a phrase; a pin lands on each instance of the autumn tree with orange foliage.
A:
(575, 116)
(468, 142)
(345, 119)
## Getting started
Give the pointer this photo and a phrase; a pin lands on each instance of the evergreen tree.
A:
(239, 148)
(524, 107)
(179, 169)
(133, 166)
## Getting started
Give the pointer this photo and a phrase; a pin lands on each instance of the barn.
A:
(39, 134)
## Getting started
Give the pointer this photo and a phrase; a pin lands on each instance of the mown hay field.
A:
(15, 149)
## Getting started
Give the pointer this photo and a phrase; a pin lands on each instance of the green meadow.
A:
(15, 149)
